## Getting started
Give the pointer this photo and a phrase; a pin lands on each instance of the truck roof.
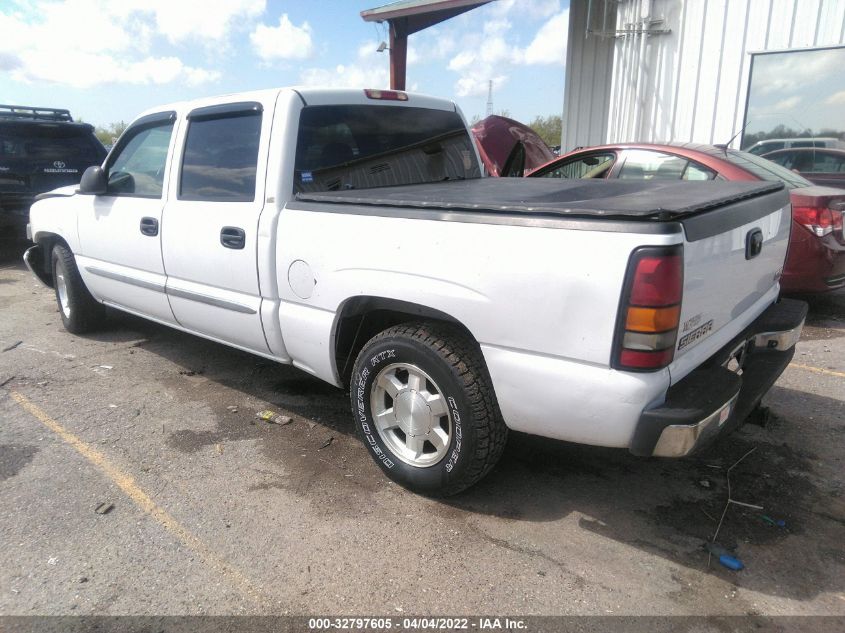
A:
(311, 95)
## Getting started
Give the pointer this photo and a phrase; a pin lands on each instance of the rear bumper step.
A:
(713, 397)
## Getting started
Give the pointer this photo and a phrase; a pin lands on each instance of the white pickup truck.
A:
(350, 233)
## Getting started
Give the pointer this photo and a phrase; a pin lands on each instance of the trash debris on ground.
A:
(106, 366)
(705, 483)
(232, 408)
(52, 560)
(12, 346)
(707, 514)
(773, 522)
(725, 558)
(104, 508)
(728, 503)
(219, 448)
(274, 418)
(311, 425)
(327, 443)
(187, 372)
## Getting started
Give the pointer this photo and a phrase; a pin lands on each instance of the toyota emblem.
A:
(59, 164)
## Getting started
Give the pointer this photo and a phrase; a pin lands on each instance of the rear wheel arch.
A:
(360, 318)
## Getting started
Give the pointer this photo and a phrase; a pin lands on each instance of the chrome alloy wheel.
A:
(411, 415)
(61, 287)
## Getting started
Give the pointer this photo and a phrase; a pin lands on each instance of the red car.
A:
(508, 147)
(816, 258)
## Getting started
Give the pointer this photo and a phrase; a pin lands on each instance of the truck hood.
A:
(61, 192)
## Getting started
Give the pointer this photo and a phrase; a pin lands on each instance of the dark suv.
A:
(40, 149)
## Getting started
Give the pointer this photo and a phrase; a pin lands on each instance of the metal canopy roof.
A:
(410, 16)
(420, 14)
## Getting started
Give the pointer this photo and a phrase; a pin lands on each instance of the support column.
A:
(398, 53)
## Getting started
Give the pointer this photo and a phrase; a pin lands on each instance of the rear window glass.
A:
(651, 165)
(221, 158)
(766, 169)
(361, 146)
(48, 143)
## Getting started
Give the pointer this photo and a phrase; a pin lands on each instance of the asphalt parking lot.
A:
(216, 512)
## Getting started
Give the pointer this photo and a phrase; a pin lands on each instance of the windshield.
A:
(356, 147)
(767, 170)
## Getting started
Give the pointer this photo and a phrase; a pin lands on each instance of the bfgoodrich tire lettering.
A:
(424, 406)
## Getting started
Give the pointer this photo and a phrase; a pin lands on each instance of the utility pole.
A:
(490, 97)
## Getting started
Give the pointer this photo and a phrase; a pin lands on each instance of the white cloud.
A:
(549, 45)
(776, 73)
(493, 53)
(837, 98)
(286, 41)
(83, 43)
(180, 20)
(531, 8)
(785, 104)
(369, 70)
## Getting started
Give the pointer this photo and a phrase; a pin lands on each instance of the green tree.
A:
(548, 128)
(109, 134)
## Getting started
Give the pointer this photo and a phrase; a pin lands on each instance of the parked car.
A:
(770, 145)
(350, 233)
(820, 166)
(40, 149)
(509, 148)
(816, 260)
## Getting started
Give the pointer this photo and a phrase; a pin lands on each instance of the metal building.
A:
(677, 70)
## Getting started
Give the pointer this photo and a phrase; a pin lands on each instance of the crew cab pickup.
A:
(349, 233)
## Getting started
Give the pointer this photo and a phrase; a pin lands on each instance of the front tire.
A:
(80, 312)
(424, 405)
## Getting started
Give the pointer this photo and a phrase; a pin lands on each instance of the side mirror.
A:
(93, 181)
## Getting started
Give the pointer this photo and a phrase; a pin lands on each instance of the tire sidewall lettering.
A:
(366, 373)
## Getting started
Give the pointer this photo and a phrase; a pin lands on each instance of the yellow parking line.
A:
(143, 500)
(818, 370)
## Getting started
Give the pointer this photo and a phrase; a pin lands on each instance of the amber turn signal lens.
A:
(652, 319)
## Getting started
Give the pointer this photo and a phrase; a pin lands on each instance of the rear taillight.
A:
(820, 221)
(650, 309)
(386, 95)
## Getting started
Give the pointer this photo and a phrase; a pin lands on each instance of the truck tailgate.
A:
(733, 259)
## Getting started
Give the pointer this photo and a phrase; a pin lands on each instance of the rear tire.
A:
(80, 312)
(424, 405)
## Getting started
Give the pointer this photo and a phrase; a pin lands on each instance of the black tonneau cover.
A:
(620, 199)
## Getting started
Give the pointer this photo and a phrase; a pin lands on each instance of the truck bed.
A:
(660, 201)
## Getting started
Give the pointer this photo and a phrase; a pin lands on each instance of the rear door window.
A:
(221, 157)
(361, 146)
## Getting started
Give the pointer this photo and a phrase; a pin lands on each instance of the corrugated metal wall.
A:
(586, 94)
(689, 84)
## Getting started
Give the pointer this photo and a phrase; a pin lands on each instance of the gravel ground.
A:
(216, 512)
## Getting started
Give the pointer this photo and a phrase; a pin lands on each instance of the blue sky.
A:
(107, 60)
